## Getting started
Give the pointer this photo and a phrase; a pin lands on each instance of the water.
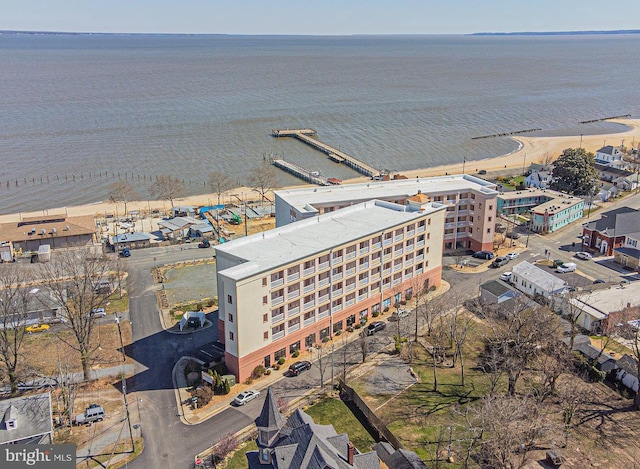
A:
(142, 106)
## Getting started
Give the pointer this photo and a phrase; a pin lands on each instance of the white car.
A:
(246, 396)
(512, 255)
(585, 256)
(505, 276)
(98, 313)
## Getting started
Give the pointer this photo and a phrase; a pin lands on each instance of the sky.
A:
(317, 17)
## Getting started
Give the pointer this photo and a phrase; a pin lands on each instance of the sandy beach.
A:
(533, 150)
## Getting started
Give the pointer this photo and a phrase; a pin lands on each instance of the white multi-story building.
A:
(287, 289)
(470, 204)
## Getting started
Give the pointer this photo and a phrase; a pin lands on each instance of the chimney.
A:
(350, 452)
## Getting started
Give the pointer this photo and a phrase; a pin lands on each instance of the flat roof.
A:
(557, 200)
(538, 276)
(63, 225)
(266, 251)
(599, 303)
(384, 189)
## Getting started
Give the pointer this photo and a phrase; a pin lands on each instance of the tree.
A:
(122, 191)
(167, 188)
(460, 323)
(220, 182)
(322, 362)
(224, 447)
(363, 342)
(14, 300)
(72, 279)
(263, 178)
(574, 172)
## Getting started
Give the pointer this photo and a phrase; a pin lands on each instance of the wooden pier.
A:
(304, 135)
(312, 177)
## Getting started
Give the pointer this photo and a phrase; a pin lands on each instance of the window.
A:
(265, 335)
(264, 300)
(264, 281)
(282, 353)
(265, 317)
(230, 335)
(490, 208)
(351, 320)
(230, 317)
(337, 326)
(229, 299)
(488, 230)
(310, 340)
(489, 219)
(294, 347)
(429, 221)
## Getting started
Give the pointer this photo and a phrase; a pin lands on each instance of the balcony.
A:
(386, 257)
(398, 238)
(351, 286)
(408, 262)
(351, 255)
(309, 271)
(350, 302)
(398, 252)
(410, 233)
(422, 229)
(338, 260)
(364, 250)
(397, 281)
(364, 281)
(337, 277)
(278, 318)
(362, 297)
(336, 308)
(309, 305)
(323, 314)
(376, 245)
(408, 276)
(294, 328)
(418, 270)
(420, 243)
(386, 271)
(323, 281)
(376, 261)
(364, 266)
(387, 241)
(293, 277)
(277, 300)
(293, 294)
(310, 320)
(277, 335)
(351, 271)
(374, 276)
(337, 292)
(323, 299)
(277, 283)
(308, 288)
(419, 258)
(323, 265)
(386, 286)
(397, 267)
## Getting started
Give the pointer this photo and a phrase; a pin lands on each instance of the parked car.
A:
(486, 255)
(204, 244)
(585, 256)
(482, 172)
(298, 367)
(499, 262)
(566, 267)
(512, 255)
(512, 235)
(93, 413)
(37, 328)
(375, 327)
(246, 396)
(125, 253)
(500, 228)
(399, 314)
(599, 280)
(505, 276)
(98, 313)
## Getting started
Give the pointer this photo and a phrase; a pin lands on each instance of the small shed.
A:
(135, 240)
(496, 292)
(628, 372)
(183, 211)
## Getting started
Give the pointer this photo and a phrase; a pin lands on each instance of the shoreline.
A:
(531, 150)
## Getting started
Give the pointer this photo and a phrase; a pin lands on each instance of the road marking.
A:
(206, 353)
(536, 254)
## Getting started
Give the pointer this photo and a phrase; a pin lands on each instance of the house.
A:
(183, 211)
(607, 155)
(598, 310)
(610, 231)
(601, 360)
(289, 288)
(398, 459)
(628, 255)
(627, 372)
(626, 183)
(546, 210)
(609, 173)
(534, 281)
(177, 227)
(201, 230)
(496, 292)
(470, 202)
(297, 442)
(135, 240)
(540, 176)
(58, 231)
(26, 420)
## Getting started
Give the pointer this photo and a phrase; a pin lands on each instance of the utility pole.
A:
(124, 386)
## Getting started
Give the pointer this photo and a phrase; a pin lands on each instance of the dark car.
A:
(125, 253)
(512, 235)
(204, 244)
(486, 255)
(599, 280)
(500, 261)
(375, 327)
(298, 367)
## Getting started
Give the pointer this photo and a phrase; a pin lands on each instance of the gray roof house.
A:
(398, 459)
(178, 226)
(496, 292)
(298, 442)
(602, 361)
(607, 155)
(26, 420)
(533, 280)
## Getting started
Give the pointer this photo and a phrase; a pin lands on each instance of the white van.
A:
(567, 267)
(399, 314)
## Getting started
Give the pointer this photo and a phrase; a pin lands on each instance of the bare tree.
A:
(460, 324)
(554, 360)
(419, 293)
(263, 178)
(629, 328)
(72, 278)
(14, 301)
(67, 387)
(122, 191)
(167, 188)
(322, 362)
(431, 308)
(573, 396)
(547, 158)
(224, 447)
(220, 182)
(436, 348)
(363, 343)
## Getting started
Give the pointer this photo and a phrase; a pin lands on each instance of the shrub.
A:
(276, 367)
(258, 371)
(198, 307)
(339, 331)
(350, 329)
(432, 288)
(281, 361)
(267, 371)
(326, 339)
(211, 302)
(386, 308)
(376, 313)
(249, 380)
(296, 354)
(403, 302)
(204, 395)
(357, 326)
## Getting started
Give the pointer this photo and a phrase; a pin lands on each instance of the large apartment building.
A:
(287, 289)
(470, 204)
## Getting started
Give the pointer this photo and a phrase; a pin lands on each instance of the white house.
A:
(532, 280)
(540, 176)
(607, 155)
(627, 372)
